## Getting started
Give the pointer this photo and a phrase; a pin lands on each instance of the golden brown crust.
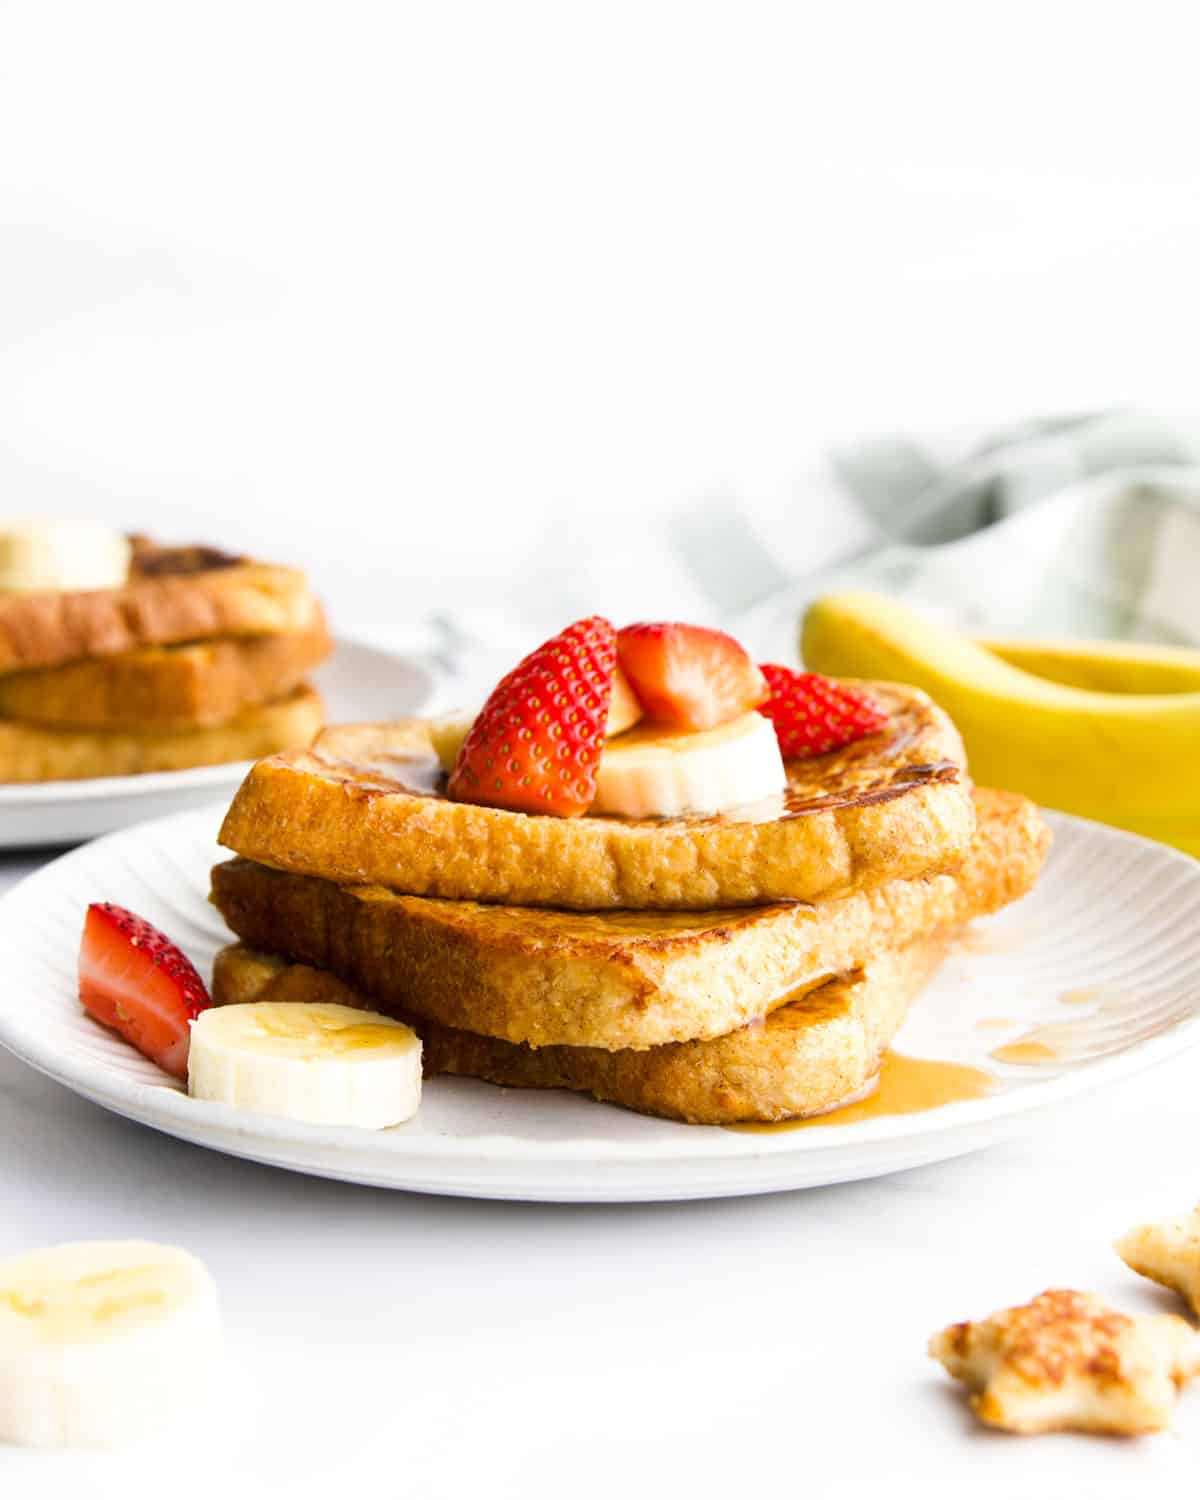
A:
(363, 806)
(220, 597)
(193, 686)
(805, 1058)
(613, 979)
(1068, 1362)
(31, 752)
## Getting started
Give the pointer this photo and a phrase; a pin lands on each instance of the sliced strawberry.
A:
(536, 743)
(688, 676)
(134, 979)
(813, 714)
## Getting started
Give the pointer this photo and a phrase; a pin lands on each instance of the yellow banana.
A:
(1132, 759)
(1104, 666)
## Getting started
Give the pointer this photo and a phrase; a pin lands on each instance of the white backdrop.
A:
(454, 302)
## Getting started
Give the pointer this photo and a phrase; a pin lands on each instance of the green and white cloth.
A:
(1082, 526)
(1077, 526)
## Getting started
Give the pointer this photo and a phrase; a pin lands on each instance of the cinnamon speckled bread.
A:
(173, 594)
(367, 805)
(619, 979)
(806, 1057)
(32, 752)
(193, 686)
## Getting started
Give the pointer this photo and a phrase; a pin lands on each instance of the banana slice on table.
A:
(102, 1341)
(324, 1063)
(664, 773)
(40, 556)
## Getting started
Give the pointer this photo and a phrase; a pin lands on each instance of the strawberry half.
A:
(688, 676)
(135, 980)
(813, 714)
(536, 743)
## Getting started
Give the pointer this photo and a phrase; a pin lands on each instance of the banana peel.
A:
(1130, 758)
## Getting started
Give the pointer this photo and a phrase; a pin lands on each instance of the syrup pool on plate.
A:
(906, 1086)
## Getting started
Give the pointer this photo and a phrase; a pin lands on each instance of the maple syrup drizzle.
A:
(974, 940)
(1103, 996)
(907, 1086)
(1080, 997)
(1050, 1042)
(1026, 1049)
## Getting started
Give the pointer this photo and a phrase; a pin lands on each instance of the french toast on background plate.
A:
(196, 684)
(189, 656)
(33, 752)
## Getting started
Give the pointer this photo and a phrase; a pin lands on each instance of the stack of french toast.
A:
(647, 870)
(151, 658)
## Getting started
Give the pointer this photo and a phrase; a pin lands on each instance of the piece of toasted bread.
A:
(173, 594)
(32, 752)
(806, 1057)
(366, 806)
(193, 686)
(613, 979)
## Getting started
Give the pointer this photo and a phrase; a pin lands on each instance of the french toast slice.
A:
(617, 979)
(806, 1057)
(173, 594)
(32, 752)
(367, 805)
(194, 686)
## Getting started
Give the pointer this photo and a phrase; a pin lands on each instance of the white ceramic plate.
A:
(1111, 925)
(358, 682)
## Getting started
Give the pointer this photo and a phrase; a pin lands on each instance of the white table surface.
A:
(406, 1345)
(485, 288)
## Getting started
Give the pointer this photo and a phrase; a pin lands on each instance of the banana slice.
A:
(662, 773)
(624, 710)
(102, 1341)
(448, 733)
(327, 1064)
(38, 556)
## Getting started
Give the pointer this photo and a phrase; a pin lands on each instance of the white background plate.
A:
(358, 682)
(1112, 913)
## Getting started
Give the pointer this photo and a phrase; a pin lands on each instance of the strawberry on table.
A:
(814, 714)
(134, 979)
(536, 743)
(688, 676)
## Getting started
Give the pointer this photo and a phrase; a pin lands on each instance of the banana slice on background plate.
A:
(39, 556)
(323, 1063)
(102, 1341)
